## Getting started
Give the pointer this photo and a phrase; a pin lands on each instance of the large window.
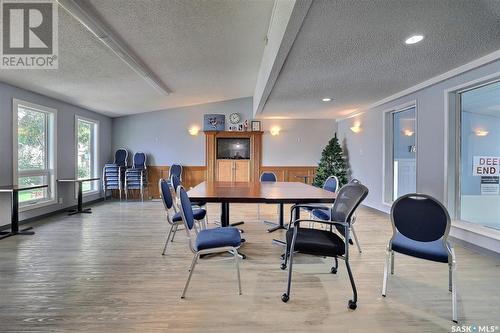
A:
(86, 152)
(479, 157)
(401, 149)
(34, 151)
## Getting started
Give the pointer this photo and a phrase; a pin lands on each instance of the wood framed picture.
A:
(214, 122)
(255, 125)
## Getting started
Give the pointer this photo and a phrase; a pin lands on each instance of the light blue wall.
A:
(164, 136)
(366, 148)
(65, 146)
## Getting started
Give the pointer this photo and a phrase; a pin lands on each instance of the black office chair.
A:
(324, 242)
(420, 226)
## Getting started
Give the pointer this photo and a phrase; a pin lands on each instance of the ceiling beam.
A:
(286, 21)
(84, 13)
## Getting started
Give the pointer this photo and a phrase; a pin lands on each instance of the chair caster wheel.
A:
(282, 256)
(333, 270)
(352, 305)
(283, 266)
(285, 298)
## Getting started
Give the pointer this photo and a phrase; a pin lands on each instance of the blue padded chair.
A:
(174, 217)
(176, 181)
(113, 174)
(136, 178)
(420, 225)
(175, 169)
(267, 177)
(331, 184)
(325, 243)
(217, 240)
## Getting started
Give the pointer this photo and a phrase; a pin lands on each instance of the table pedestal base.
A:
(82, 211)
(5, 234)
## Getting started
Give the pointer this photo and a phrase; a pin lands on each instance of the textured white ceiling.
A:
(204, 51)
(354, 51)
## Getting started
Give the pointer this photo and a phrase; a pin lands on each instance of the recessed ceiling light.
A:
(327, 99)
(414, 39)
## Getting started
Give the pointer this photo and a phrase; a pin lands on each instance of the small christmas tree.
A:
(332, 163)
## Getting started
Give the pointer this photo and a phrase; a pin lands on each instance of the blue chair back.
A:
(139, 160)
(186, 209)
(420, 217)
(175, 181)
(121, 157)
(268, 177)
(331, 184)
(348, 199)
(175, 169)
(166, 195)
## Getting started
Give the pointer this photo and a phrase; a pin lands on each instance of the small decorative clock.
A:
(234, 118)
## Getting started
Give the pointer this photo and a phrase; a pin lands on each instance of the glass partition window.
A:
(34, 151)
(400, 147)
(479, 165)
(86, 152)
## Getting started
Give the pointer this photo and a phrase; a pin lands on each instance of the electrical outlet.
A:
(60, 201)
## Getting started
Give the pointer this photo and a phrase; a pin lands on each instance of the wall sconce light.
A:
(408, 132)
(194, 130)
(275, 130)
(356, 128)
(481, 132)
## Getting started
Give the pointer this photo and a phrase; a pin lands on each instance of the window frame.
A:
(388, 150)
(458, 116)
(50, 170)
(94, 152)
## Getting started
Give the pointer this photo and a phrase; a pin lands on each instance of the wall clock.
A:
(234, 118)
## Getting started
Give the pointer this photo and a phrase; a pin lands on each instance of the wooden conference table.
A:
(14, 222)
(259, 192)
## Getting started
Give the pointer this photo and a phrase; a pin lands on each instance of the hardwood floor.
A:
(104, 273)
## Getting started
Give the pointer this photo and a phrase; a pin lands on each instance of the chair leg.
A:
(392, 262)
(286, 296)
(356, 239)
(237, 263)
(168, 238)
(285, 258)
(191, 269)
(386, 271)
(334, 268)
(453, 287)
(352, 302)
(175, 230)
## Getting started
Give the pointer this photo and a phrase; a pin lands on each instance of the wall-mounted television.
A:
(233, 148)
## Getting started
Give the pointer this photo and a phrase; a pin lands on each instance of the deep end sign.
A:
(486, 166)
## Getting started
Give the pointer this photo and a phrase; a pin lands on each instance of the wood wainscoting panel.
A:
(193, 175)
(292, 173)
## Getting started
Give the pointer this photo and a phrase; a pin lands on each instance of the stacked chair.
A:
(136, 177)
(326, 243)
(113, 174)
